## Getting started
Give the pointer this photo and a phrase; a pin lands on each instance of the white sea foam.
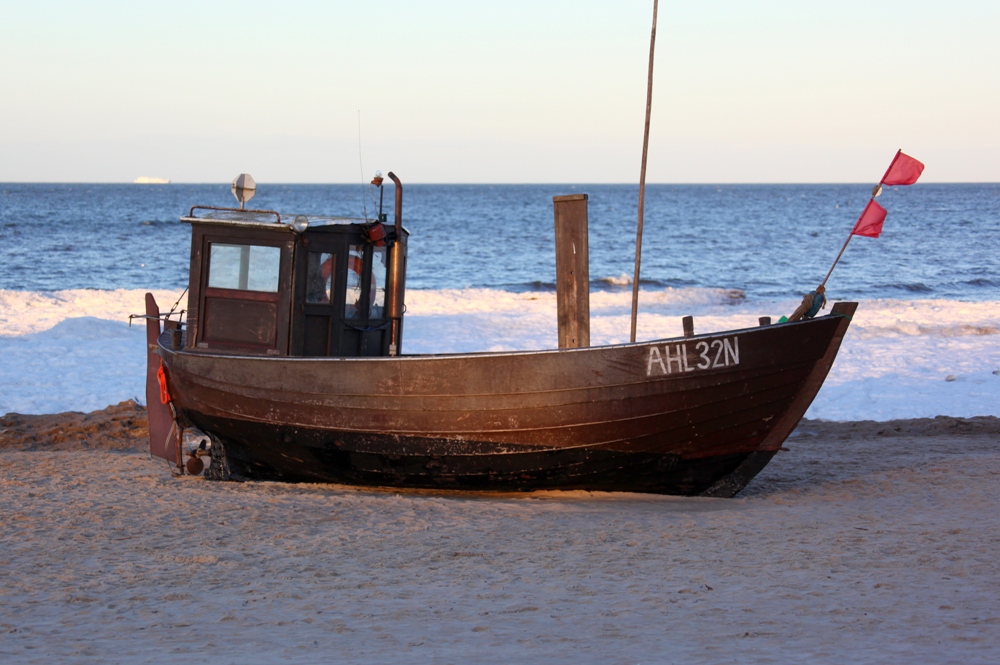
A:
(73, 350)
(620, 280)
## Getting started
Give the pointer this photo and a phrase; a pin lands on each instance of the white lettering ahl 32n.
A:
(675, 358)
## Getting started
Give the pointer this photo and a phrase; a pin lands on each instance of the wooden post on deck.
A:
(572, 271)
(688, 324)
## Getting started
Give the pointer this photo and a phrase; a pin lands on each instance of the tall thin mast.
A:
(642, 178)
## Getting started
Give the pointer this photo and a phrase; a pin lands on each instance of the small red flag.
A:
(871, 220)
(904, 170)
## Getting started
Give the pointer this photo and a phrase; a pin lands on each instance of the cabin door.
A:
(318, 301)
(365, 330)
(242, 301)
(342, 299)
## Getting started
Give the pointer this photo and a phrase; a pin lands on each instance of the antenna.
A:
(364, 203)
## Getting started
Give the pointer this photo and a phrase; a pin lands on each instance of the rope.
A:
(812, 303)
(172, 309)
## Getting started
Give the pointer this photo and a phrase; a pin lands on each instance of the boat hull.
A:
(314, 455)
(698, 415)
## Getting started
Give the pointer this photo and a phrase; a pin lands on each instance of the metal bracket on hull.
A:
(218, 468)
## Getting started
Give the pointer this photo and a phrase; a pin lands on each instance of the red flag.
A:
(870, 222)
(904, 170)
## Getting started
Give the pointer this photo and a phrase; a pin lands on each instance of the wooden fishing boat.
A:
(289, 367)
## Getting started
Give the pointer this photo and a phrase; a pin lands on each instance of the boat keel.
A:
(256, 451)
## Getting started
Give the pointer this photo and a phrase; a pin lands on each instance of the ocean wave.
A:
(608, 283)
(624, 282)
(620, 280)
(685, 300)
(917, 287)
(914, 329)
(86, 327)
(539, 285)
(25, 312)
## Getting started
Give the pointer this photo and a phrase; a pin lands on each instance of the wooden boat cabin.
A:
(265, 284)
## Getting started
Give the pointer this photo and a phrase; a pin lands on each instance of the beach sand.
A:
(863, 542)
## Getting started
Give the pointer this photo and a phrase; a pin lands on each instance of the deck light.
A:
(300, 223)
(244, 188)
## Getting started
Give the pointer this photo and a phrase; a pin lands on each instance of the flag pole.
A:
(642, 179)
(875, 192)
(837, 260)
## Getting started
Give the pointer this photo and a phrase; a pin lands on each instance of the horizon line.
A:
(517, 184)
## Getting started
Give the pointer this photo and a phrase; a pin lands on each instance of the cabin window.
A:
(320, 278)
(244, 267)
(378, 283)
(353, 305)
(355, 264)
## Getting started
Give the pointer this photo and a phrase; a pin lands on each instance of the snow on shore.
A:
(73, 350)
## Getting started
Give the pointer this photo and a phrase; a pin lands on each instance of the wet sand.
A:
(863, 542)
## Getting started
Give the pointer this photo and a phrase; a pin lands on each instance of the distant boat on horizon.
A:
(148, 180)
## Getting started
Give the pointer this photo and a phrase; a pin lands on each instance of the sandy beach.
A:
(863, 542)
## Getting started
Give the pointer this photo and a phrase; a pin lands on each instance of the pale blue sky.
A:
(513, 91)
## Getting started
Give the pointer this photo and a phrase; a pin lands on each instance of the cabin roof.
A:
(268, 219)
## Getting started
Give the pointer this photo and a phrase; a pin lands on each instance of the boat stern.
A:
(164, 435)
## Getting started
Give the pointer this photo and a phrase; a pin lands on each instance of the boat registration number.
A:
(706, 354)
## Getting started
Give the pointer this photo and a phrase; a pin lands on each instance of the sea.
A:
(77, 259)
(764, 241)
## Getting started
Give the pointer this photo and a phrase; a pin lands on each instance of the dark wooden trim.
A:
(242, 294)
